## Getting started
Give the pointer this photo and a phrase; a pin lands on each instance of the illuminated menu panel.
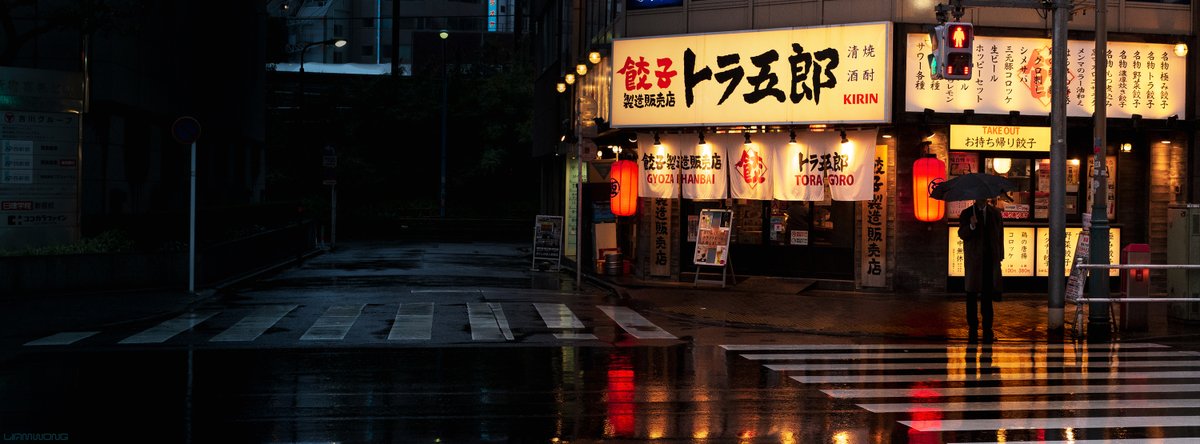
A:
(1043, 259)
(1019, 252)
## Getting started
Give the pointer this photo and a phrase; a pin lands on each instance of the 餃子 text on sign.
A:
(825, 74)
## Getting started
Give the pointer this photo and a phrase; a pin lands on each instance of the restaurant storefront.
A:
(738, 117)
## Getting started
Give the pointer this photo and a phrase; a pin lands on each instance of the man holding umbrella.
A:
(981, 227)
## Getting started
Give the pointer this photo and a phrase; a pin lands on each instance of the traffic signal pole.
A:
(1058, 146)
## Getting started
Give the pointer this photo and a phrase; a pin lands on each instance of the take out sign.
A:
(827, 74)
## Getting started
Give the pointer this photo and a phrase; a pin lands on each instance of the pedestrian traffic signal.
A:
(936, 58)
(956, 51)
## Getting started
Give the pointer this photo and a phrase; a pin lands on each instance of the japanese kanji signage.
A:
(1072, 234)
(547, 242)
(1000, 138)
(874, 225)
(771, 166)
(702, 169)
(1019, 252)
(823, 74)
(660, 251)
(1013, 74)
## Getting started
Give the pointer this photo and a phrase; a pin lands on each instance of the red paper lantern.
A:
(927, 172)
(623, 194)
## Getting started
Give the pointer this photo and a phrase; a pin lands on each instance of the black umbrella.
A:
(972, 186)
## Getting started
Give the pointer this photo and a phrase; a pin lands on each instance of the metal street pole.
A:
(442, 192)
(192, 225)
(1098, 323)
(578, 197)
(1058, 167)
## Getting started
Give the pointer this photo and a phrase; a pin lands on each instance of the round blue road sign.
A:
(185, 130)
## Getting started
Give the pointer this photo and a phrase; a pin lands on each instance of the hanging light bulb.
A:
(594, 57)
(844, 139)
(792, 135)
(581, 69)
(560, 87)
(1181, 49)
(1001, 165)
(569, 78)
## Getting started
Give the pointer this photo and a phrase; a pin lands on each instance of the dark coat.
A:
(973, 242)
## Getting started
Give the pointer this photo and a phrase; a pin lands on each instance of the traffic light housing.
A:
(951, 57)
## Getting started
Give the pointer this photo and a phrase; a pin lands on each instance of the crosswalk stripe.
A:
(1007, 406)
(414, 321)
(634, 324)
(1014, 390)
(1094, 422)
(168, 329)
(943, 366)
(888, 347)
(952, 354)
(255, 324)
(501, 320)
(558, 316)
(334, 324)
(485, 325)
(869, 379)
(64, 338)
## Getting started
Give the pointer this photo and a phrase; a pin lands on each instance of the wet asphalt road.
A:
(461, 343)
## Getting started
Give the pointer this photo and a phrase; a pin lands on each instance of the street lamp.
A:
(335, 42)
(443, 34)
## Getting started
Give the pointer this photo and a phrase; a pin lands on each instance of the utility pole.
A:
(1058, 146)
(1098, 322)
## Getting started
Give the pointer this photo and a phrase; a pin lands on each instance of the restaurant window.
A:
(1031, 200)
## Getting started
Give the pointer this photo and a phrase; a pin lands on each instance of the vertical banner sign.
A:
(796, 166)
(658, 169)
(849, 167)
(547, 243)
(750, 174)
(660, 256)
(572, 206)
(712, 238)
(703, 169)
(819, 74)
(874, 226)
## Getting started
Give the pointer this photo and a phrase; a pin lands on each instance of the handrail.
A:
(1084, 298)
(1142, 266)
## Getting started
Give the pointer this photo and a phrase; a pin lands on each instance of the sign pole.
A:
(333, 217)
(192, 226)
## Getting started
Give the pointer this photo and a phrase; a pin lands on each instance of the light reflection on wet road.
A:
(585, 394)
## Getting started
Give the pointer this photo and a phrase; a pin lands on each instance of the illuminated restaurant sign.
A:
(1013, 74)
(1027, 251)
(828, 74)
(1000, 138)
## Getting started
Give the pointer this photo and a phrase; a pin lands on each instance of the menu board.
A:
(547, 242)
(712, 238)
(1018, 252)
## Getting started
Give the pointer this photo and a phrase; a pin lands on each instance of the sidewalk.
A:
(796, 305)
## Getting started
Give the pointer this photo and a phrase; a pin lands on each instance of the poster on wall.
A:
(1111, 162)
(663, 234)
(1072, 236)
(571, 204)
(1019, 252)
(1013, 74)
(874, 226)
(712, 238)
(961, 162)
(816, 74)
(547, 243)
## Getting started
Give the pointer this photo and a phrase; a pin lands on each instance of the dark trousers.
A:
(983, 298)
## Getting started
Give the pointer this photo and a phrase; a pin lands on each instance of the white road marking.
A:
(634, 324)
(255, 324)
(64, 338)
(334, 324)
(414, 322)
(168, 329)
